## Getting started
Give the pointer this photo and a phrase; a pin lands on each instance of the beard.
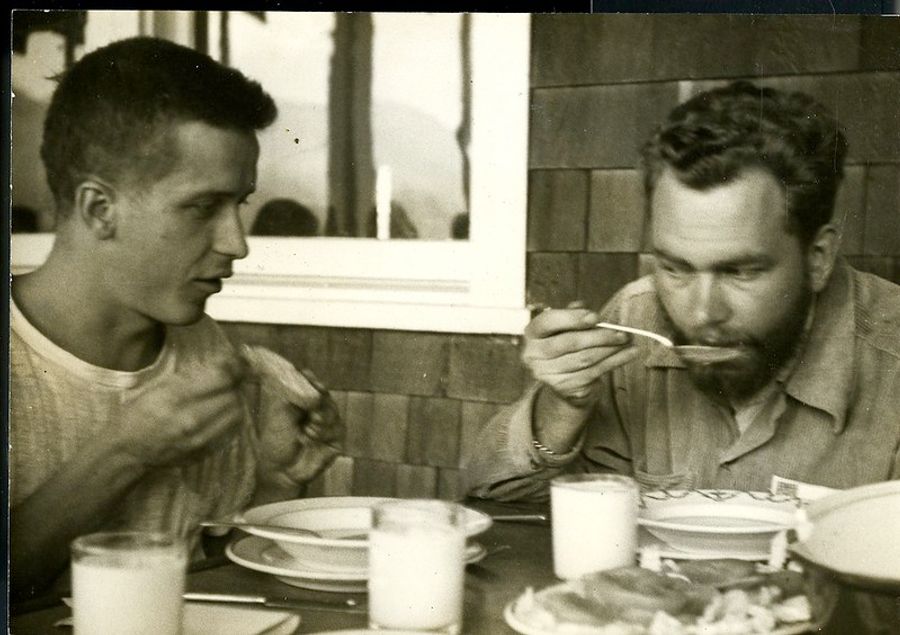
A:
(764, 355)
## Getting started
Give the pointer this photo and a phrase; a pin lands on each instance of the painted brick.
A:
(595, 126)
(409, 363)
(336, 480)
(340, 358)
(386, 434)
(578, 50)
(340, 399)
(358, 420)
(416, 481)
(432, 435)
(882, 234)
(248, 333)
(350, 356)
(374, 478)
(864, 103)
(616, 220)
(485, 368)
(601, 275)
(557, 207)
(449, 485)
(552, 279)
(849, 209)
(475, 416)
(880, 43)
(315, 487)
(306, 347)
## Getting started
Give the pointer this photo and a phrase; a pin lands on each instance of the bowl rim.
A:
(745, 498)
(478, 522)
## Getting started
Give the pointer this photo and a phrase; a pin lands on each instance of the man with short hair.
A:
(127, 400)
(740, 184)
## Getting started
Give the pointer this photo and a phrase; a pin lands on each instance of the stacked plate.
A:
(695, 524)
(334, 560)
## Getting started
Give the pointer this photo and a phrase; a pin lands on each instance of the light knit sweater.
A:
(58, 403)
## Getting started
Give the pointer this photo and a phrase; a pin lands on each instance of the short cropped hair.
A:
(111, 113)
(712, 138)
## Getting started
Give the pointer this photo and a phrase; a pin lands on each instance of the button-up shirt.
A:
(832, 420)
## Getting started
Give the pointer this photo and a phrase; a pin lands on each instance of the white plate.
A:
(854, 536)
(261, 554)
(520, 626)
(724, 521)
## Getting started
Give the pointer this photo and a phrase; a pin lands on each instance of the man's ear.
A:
(95, 206)
(821, 255)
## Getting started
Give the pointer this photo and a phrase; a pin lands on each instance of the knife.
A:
(348, 605)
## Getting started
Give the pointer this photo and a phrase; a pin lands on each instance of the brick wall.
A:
(414, 402)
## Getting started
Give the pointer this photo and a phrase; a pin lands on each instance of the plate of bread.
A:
(698, 597)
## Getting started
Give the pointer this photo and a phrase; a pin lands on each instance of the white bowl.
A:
(732, 521)
(332, 517)
(854, 536)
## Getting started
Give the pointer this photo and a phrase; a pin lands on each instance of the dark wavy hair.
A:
(713, 137)
(112, 112)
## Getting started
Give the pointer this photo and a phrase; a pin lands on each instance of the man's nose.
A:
(710, 305)
(230, 239)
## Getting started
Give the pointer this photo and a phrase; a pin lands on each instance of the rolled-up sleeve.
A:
(505, 464)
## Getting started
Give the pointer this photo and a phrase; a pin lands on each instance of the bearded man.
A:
(740, 186)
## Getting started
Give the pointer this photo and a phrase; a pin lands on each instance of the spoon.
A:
(298, 531)
(692, 352)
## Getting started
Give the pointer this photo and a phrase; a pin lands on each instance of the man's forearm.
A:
(73, 502)
(557, 424)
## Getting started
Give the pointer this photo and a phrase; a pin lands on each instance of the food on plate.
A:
(704, 597)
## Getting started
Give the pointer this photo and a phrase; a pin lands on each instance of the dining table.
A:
(518, 555)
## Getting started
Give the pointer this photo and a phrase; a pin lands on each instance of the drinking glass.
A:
(416, 566)
(128, 583)
(594, 523)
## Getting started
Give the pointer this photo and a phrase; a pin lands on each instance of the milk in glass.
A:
(416, 566)
(126, 586)
(594, 523)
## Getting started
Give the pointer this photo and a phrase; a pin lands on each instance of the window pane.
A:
(289, 54)
(417, 109)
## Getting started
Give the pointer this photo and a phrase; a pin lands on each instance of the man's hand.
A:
(173, 422)
(298, 428)
(295, 443)
(564, 350)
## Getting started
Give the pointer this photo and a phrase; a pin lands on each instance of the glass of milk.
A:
(128, 583)
(594, 521)
(416, 566)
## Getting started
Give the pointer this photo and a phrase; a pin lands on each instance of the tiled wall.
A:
(414, 402)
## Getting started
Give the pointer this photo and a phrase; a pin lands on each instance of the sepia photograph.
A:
(454, 322)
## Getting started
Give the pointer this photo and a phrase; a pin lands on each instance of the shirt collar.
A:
(821, 375)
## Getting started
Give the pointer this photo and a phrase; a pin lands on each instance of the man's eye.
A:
(744, 273)
(204, 210)
(671, 269)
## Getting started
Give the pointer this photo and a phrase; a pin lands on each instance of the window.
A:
(475, 285)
